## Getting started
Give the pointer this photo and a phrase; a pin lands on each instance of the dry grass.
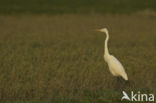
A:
(62, 56)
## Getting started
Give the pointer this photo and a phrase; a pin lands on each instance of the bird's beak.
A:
(98, 30)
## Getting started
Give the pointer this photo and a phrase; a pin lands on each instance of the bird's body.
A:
(114, 64)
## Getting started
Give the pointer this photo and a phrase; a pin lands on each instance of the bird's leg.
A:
(130, 84)
(120, 83)
(117, 83)
(119, 79)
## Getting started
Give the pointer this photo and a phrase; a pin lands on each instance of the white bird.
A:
(114, 64)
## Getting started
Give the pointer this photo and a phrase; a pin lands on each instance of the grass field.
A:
(59, 58)
(74, 6)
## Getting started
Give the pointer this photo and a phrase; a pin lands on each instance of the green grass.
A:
(74, 6)
(59, 59)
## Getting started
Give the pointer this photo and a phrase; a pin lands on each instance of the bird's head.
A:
(102, 30)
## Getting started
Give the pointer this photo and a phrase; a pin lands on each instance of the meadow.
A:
(59, 58)
(53, 7)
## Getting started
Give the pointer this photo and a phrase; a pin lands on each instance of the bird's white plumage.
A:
(114, 64)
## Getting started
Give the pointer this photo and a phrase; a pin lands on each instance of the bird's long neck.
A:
(106, 44)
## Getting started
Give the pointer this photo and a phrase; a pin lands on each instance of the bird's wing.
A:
(116, 61)
(117, 67)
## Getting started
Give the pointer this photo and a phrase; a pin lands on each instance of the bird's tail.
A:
(125, 76)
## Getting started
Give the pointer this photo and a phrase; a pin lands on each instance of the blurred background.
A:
(74, 6)
(51, 53)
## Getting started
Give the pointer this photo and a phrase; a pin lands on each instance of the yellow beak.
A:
(98, 29)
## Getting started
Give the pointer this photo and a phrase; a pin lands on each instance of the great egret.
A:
(114, 65)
